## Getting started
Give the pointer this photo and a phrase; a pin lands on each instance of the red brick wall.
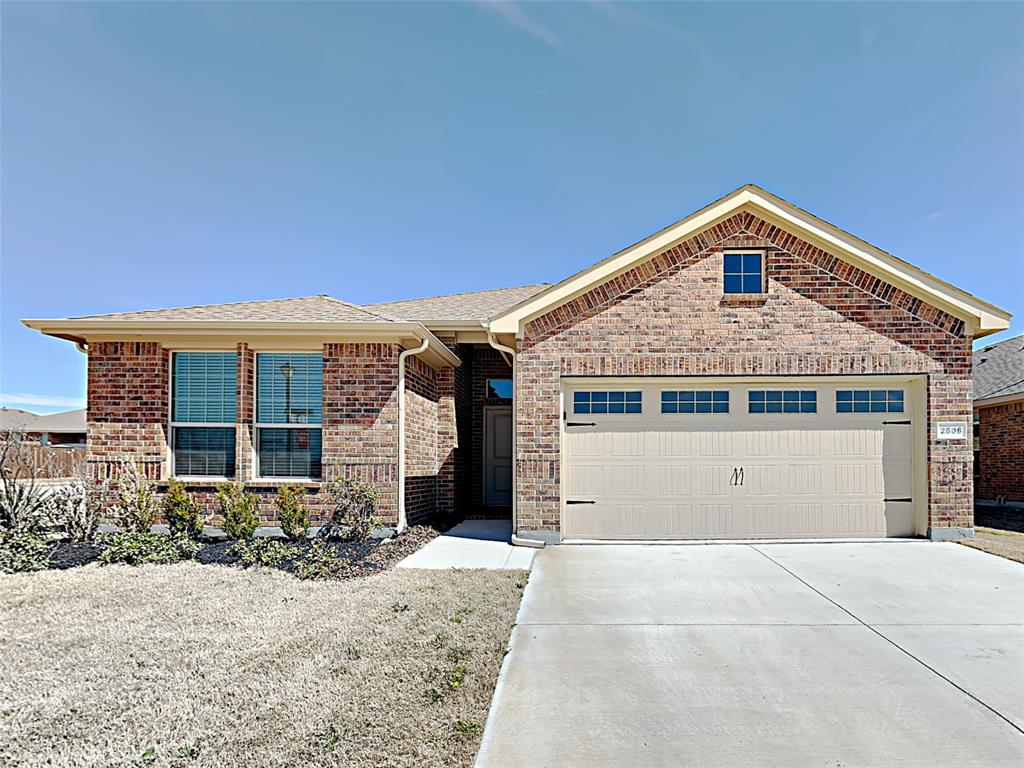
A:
(360, 426)
(668, 317)
(127, 409)
(454, 430)
(1001, 460)
(421, 440)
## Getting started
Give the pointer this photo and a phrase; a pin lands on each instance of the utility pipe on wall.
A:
(401, 429)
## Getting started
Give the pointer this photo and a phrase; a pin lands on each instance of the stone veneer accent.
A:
(668, 317)
(1001, 460)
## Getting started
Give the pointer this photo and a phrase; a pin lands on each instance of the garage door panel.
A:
(676, 480)
(606, 521)
(674, 475)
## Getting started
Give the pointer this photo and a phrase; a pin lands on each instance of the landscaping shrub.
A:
(135, 548)
(24, 503)
(136, 506)
(23, 550)
(239, 509)
(75, 511)
(265, 553)
(320, 562)
(183, 515)
(352, 510)
(292, 512)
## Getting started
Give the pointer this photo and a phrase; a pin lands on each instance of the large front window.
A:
(289, 412)
(203, 407)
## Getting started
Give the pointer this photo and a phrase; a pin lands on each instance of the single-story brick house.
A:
(999, 421)
(749, 371)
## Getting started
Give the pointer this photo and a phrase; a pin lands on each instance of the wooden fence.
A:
(49, 462)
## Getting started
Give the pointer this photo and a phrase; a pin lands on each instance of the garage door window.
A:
(869, 401)
(606, 402)
(783, 401)
(695, 401)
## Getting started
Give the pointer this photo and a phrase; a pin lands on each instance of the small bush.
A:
(134, 548)
(137, 505)
(183, 515)
(22, 551)
(352, 508)
(74, 511)
(292, 512)
(265, 553)
(239, 509)
(320, 562)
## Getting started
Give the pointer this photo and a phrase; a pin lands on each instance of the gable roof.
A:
(981, 318)
(472, 307)
(999, 371)
(320, 308)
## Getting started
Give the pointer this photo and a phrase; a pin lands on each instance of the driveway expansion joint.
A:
(893, 643)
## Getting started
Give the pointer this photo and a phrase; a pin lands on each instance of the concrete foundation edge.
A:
(950, 534)
(545, 537)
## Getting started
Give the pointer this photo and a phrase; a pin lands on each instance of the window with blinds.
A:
(204, 390)
(289, 411)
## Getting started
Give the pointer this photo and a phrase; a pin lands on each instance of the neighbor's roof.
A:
(980, 316)
(999, 370)
(471, 307)
(306, 309)
(65, 421)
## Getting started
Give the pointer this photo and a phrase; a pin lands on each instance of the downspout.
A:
(510, 357)
(401, 429)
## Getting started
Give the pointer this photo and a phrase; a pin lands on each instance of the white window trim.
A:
(763, 253)
(172, 425)
(257, 473)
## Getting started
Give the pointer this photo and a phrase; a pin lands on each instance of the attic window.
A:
(743, 273)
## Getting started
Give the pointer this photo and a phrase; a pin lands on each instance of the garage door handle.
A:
(580, 501)
(581, 423)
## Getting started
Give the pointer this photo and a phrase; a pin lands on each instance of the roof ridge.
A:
(457, 293)
(363, 308)
(218, 304)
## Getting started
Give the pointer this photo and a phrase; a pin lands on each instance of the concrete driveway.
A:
(873, 654)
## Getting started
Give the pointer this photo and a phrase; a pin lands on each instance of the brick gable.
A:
(667, 316)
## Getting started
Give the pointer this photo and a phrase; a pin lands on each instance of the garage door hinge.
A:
(900, 499)
(581, 423)
(897, 422)
(580, 501)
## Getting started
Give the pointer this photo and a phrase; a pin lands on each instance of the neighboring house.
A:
(65, 428)
(749, 371)
(999, 421)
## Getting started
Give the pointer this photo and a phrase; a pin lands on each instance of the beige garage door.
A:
(723, 460)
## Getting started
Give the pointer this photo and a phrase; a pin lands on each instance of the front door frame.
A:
(485, 459)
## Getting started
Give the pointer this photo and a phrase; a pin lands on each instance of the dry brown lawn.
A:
(191, 665)
(1008, 544)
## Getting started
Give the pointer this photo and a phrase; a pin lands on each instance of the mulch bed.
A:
(364, 557)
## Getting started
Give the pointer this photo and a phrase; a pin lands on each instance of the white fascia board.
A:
(96, 329)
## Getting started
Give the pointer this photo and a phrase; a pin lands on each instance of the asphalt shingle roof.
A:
(304, 309)
(460, 307)
(999, 369)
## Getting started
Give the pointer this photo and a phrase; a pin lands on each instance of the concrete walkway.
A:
(473, 544)
(770, 654)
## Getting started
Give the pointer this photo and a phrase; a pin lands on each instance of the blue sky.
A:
(161, 154)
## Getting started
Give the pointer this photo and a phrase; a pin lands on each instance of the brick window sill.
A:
(743, 299)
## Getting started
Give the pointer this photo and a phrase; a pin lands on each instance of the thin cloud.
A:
(628, 15)
(23, 398)
(515, 16)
